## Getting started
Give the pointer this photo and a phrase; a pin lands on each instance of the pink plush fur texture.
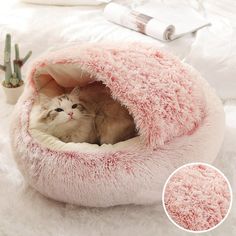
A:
(178, 116)
(163, 97)
(197, 197)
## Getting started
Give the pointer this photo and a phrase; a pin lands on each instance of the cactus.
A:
(13, 79)
(7, 60)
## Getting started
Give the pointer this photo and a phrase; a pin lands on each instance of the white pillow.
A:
(67, 2)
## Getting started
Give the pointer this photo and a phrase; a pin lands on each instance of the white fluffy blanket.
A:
(67, 2)
(24, 212)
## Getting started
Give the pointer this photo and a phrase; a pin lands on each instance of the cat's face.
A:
(64, 109)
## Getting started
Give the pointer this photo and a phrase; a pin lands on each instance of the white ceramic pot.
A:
(13, 94)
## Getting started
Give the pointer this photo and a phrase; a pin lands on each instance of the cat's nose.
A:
(70, 113)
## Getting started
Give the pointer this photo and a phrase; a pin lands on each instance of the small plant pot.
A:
(13, 94)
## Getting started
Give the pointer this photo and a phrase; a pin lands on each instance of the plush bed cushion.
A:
(178, 116)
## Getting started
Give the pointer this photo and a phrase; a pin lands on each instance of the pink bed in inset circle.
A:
(178, 116)
(197, 197)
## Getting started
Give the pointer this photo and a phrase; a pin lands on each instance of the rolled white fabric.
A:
(137, 21)
(67, 2)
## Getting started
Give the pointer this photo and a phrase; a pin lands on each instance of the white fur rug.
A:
(24, 212)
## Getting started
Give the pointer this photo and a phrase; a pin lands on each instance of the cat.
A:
(65, 118)
(88, 114)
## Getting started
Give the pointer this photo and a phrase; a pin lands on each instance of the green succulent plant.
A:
(13, 78)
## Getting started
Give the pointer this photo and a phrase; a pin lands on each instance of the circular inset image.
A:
(197, 197)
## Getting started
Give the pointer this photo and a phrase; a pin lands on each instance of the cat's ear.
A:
(44, 100)
(75, 92)
(46, 114)
(43, 114)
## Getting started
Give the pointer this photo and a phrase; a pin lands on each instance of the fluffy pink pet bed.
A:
(178, 116)
(197, 197)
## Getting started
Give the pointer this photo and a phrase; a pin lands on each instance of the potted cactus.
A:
(13, 85)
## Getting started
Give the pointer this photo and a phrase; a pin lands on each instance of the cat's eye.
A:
(59, 110)
(74, 106)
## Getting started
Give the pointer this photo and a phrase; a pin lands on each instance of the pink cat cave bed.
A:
(178, 116)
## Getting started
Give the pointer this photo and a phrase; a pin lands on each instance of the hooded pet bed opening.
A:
(54, 80)
(178, 116)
